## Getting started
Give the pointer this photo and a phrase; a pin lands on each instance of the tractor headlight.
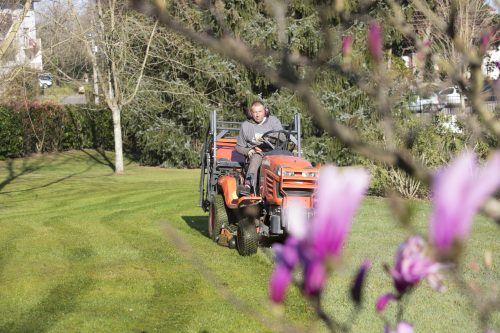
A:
(309, 174)
(287, 173)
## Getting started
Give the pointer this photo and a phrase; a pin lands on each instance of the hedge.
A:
(40, 127)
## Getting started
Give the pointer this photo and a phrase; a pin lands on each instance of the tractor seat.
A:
(227, 156)
(225, 163)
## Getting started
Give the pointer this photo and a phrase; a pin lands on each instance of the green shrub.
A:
(167, 145)
(88, 128)
(11, 133)
(38, 127)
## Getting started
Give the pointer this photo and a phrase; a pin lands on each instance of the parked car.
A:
(45, 80)
(451, 96)
(425, 103)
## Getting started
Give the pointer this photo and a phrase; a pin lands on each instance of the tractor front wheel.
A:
(247, 239)
(217, 217)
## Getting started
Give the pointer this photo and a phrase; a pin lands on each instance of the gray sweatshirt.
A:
(246, 139)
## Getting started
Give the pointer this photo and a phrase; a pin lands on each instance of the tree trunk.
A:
(117, 131)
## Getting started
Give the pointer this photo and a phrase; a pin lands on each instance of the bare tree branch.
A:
(139, 79)
(13, 31)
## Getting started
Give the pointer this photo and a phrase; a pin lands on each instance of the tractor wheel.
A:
(217, 217)
(247, 240)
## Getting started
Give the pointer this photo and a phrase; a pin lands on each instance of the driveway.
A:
(73, 99)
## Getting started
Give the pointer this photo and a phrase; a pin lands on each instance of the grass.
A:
(57, 92)
(84, 250)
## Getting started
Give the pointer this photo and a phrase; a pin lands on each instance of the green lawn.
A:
(83, 250)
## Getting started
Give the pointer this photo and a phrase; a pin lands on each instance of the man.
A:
(250, 138)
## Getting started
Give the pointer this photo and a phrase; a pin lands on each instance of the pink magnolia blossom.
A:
(346, 46)
(375, 41)
(459, 190)
(412, 265)
(309, 245)
(338, 196)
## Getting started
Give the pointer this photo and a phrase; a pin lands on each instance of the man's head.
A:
(257, 111)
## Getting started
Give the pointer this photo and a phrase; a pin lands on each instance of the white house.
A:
(26, 48)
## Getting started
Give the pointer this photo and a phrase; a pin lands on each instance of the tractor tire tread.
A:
(247, 239)
(220, 218)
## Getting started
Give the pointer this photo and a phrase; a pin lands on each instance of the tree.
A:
(300, 72)
(7, 41)
(466, 21)
(109, 43)
(63, 50)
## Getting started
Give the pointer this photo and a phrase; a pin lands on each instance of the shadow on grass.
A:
(103, 159)
(57, 181)
(14, 174)
(61, 300)
(198, 223)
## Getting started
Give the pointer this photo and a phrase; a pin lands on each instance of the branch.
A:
(139, 79)
(235, 49)
(14, 29)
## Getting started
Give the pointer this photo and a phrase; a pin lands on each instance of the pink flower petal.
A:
(339, 194)
(346, 45)
(375, 41)
(459, 190)
(314, 277)
(280, 280)
(383, 301)
(296, 219)
(404, 327)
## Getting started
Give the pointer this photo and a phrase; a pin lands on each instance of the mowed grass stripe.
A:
(124, 253)
(83, 250)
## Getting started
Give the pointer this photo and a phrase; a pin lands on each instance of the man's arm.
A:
(277, 124)
(241, 144)
(242, 150)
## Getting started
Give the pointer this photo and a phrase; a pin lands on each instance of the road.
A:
(73, 99)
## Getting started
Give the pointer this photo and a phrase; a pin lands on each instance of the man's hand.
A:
(259, 138)
(253, 151)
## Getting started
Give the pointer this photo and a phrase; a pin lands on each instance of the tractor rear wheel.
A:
(217, 217)
(247, 239)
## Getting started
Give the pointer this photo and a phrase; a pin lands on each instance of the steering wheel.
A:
(276, 139)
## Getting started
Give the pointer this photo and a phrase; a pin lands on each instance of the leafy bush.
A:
(165, 144)
(38, 127)
(11, 133)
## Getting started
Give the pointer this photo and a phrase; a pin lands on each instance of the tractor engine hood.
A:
(283, 161)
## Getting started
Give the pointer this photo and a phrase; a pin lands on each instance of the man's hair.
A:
(254, 103)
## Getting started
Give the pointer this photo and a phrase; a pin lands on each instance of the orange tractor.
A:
(245, 221)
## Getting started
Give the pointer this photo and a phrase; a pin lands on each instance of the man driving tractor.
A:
(250, 140)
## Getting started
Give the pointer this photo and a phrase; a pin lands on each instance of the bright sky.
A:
(42, 3)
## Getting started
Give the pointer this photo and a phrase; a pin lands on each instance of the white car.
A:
(451, 96)
(44, 80)
(425, 104)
